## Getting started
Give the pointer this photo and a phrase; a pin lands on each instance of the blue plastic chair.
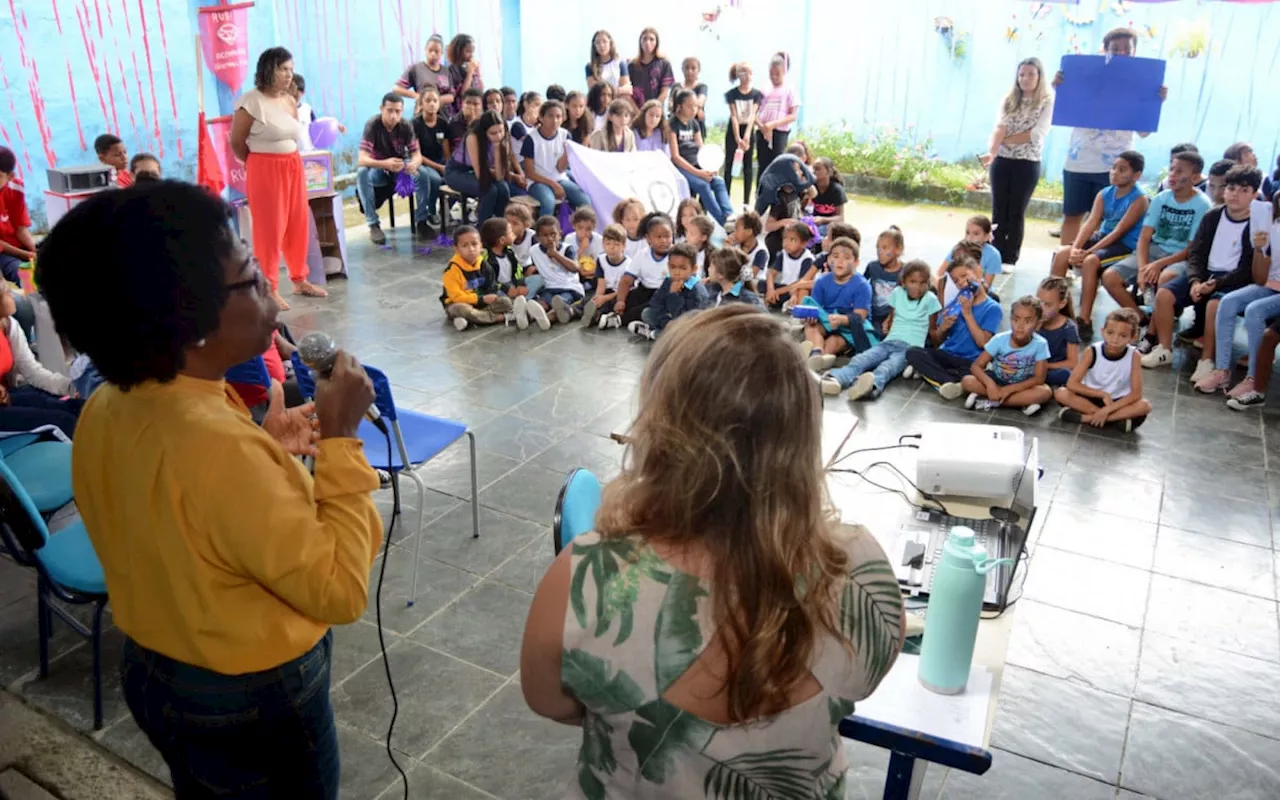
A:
(417, 438)
(252, 372)
(66, 568)
(576, 507)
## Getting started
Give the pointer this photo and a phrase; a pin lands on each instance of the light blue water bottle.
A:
(955, 608)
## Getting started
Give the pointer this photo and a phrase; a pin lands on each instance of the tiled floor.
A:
(1145, 652)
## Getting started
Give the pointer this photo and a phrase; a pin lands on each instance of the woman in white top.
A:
(264, 135)
(1014, 155)
(605, 66)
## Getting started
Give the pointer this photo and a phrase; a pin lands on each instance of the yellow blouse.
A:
(219, 549)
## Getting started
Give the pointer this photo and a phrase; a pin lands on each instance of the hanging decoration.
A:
(957, 41)
(1189, 39)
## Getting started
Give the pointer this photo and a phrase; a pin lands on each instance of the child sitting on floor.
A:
(1106, 386)
(748, 236)
(913, 315)
(884, 274)
(964, 326)
(678, 295)
(499, 258)
(612, 266)
(585, 245)
(628, 213)
(725, 282)
(561, 290)
(471, 295)
(1013, 365)
(698, 235)
(792, 263)
(1058, 329)
(648, 268)
(819, 267)
(977, 232)
(520, 217)
(845, 299)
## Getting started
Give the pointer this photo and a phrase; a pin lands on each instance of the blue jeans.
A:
(9, 265)
(493, 201)
(29, 408)
(256, 736)
(1235, 303)
(712, 193)
(1256, 316)
(885, 361)
(426, 185)
(573, 195)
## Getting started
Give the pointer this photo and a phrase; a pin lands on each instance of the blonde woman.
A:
(715, 614)
(1014, 155)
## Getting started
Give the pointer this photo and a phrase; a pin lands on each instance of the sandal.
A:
(308, 289)
(275, 295)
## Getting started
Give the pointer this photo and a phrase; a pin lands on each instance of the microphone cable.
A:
(377, 601)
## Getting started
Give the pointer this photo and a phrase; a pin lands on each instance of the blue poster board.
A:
(1119, 94)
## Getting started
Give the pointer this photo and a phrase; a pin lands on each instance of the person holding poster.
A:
(264, 135)
(1092, 151)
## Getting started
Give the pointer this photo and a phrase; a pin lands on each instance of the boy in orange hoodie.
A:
(471, 294)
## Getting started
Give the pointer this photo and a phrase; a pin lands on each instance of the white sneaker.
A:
(613, 322)
(1203, 367)
(820, 362)
(908, 372)
(641, 329)
(950, 391)
(520, 310)
(539, 315)
(1031, 410)
(971, 400)
(1160, 356)
(460, 323)
(831, 386)
(862, 386)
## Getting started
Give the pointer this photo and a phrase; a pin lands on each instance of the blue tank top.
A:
(1113, 210)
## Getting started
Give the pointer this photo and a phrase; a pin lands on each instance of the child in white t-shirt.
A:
(648, 268)
(609, 271)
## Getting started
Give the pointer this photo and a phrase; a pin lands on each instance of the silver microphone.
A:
(319, 351)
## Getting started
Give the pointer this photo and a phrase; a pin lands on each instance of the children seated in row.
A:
(1058, 329)
(1109, 234)
(501, 258)
(629, 213)
(614, 134)
(977, 242)
(793, 262)
(680, 293)
(911, 319)
(1218, 259)
(648, 268)
(609, 271)
(470, 293)
(726, 279)
(561, 291)
(801, 288)
(1012, 368)
(964, 327)
(844, 298)
(1106, 386)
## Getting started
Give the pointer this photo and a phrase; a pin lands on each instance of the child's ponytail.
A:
(783, 59)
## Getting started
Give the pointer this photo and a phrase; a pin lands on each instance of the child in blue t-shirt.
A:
(884, 275)
(964, 326)
(976, 241)
(1013, 366)
(845, 299)
(1058, 329)
(913, 315)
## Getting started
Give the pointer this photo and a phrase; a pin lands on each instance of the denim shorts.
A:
(1127, 268)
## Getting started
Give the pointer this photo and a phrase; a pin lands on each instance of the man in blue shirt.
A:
(964, 327)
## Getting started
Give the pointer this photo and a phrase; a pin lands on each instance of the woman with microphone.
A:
(225, 560)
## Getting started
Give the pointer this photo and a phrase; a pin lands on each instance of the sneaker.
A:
(460, 323)
(1203, 367)
(561, 308)
(423, 230)
(821, 361)
(1057, 234)
(1216, 380)
(863, 385)
(520, 311)
(908, 372)
(1246, 401)
(612, 321)
(1131, 425)
(1031, 410)
(434, 221)
(971, 400)
(950, 391)
(539, 315)
(1069, 415)
(376, 235)
(641, 329)
(1144, 346)
(1242, 388)
(1160, 356)
(986, 405)
(589, 312)
(1149, 297)
(832, 387)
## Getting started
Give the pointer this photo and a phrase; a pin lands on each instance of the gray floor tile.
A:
(432, 376)
(518, 437)
(1173, 755)
(1216, 562)
(617, 419)
(450, 472)
(1241, 482)
(570, 402)
(1012, 777)
(868, 767)
(449, 539)
(429, 783)
(354, 646)
(528, 492)
(1098, 588)
(484, 626)
(455, 405)
(438, 585)
(1205, 682)
(1131, 458)
(599, 454)
(1104, 536)
(506, 725)
(20, 642)
(366, 769)
(433, 505)
(1214, 617)
(501, 392)
(1135, 499)
(435, 692)
(1060, 723)
(1075, 647)
(67, 692)
(525, 569)
(15, 582)
(127, 740)
(1214, 515)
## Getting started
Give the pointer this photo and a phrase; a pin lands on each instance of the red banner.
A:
(224, 38)
(232, 167)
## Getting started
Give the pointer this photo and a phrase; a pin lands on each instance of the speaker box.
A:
(70, 180)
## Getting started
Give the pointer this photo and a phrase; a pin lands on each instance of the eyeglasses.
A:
(258, 281)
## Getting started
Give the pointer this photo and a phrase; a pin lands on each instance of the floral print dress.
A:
(635, 623)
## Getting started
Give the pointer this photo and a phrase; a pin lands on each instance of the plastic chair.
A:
(66, 568)
(417, 438)
(576, 507)
(252, 372)
(385, 194)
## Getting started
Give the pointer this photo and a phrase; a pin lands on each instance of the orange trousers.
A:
(277, 192)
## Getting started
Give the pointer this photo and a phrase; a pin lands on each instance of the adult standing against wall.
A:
(1092, 151)
(604, 66)
(264, 135)
(651, 75)
(778, 110)
(1014, 154)
(464, 69)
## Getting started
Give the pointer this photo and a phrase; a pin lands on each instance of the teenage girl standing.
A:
(605, 66)
(691, 68)
(744, 102)
(651, 75)
(464, 70)
(778, 111)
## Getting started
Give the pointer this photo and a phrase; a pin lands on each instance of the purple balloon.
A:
(324, 132)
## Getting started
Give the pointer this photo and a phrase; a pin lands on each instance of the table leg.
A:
(905, 777)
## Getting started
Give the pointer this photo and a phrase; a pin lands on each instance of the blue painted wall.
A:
(76, 68)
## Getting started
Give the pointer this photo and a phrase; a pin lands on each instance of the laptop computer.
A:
(917, 545)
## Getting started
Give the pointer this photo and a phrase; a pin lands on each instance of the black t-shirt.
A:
(648, 80)
(742, 102)
(686, 138)
(431, 139)
(826, 203)
(457, 131)
(377, 141)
